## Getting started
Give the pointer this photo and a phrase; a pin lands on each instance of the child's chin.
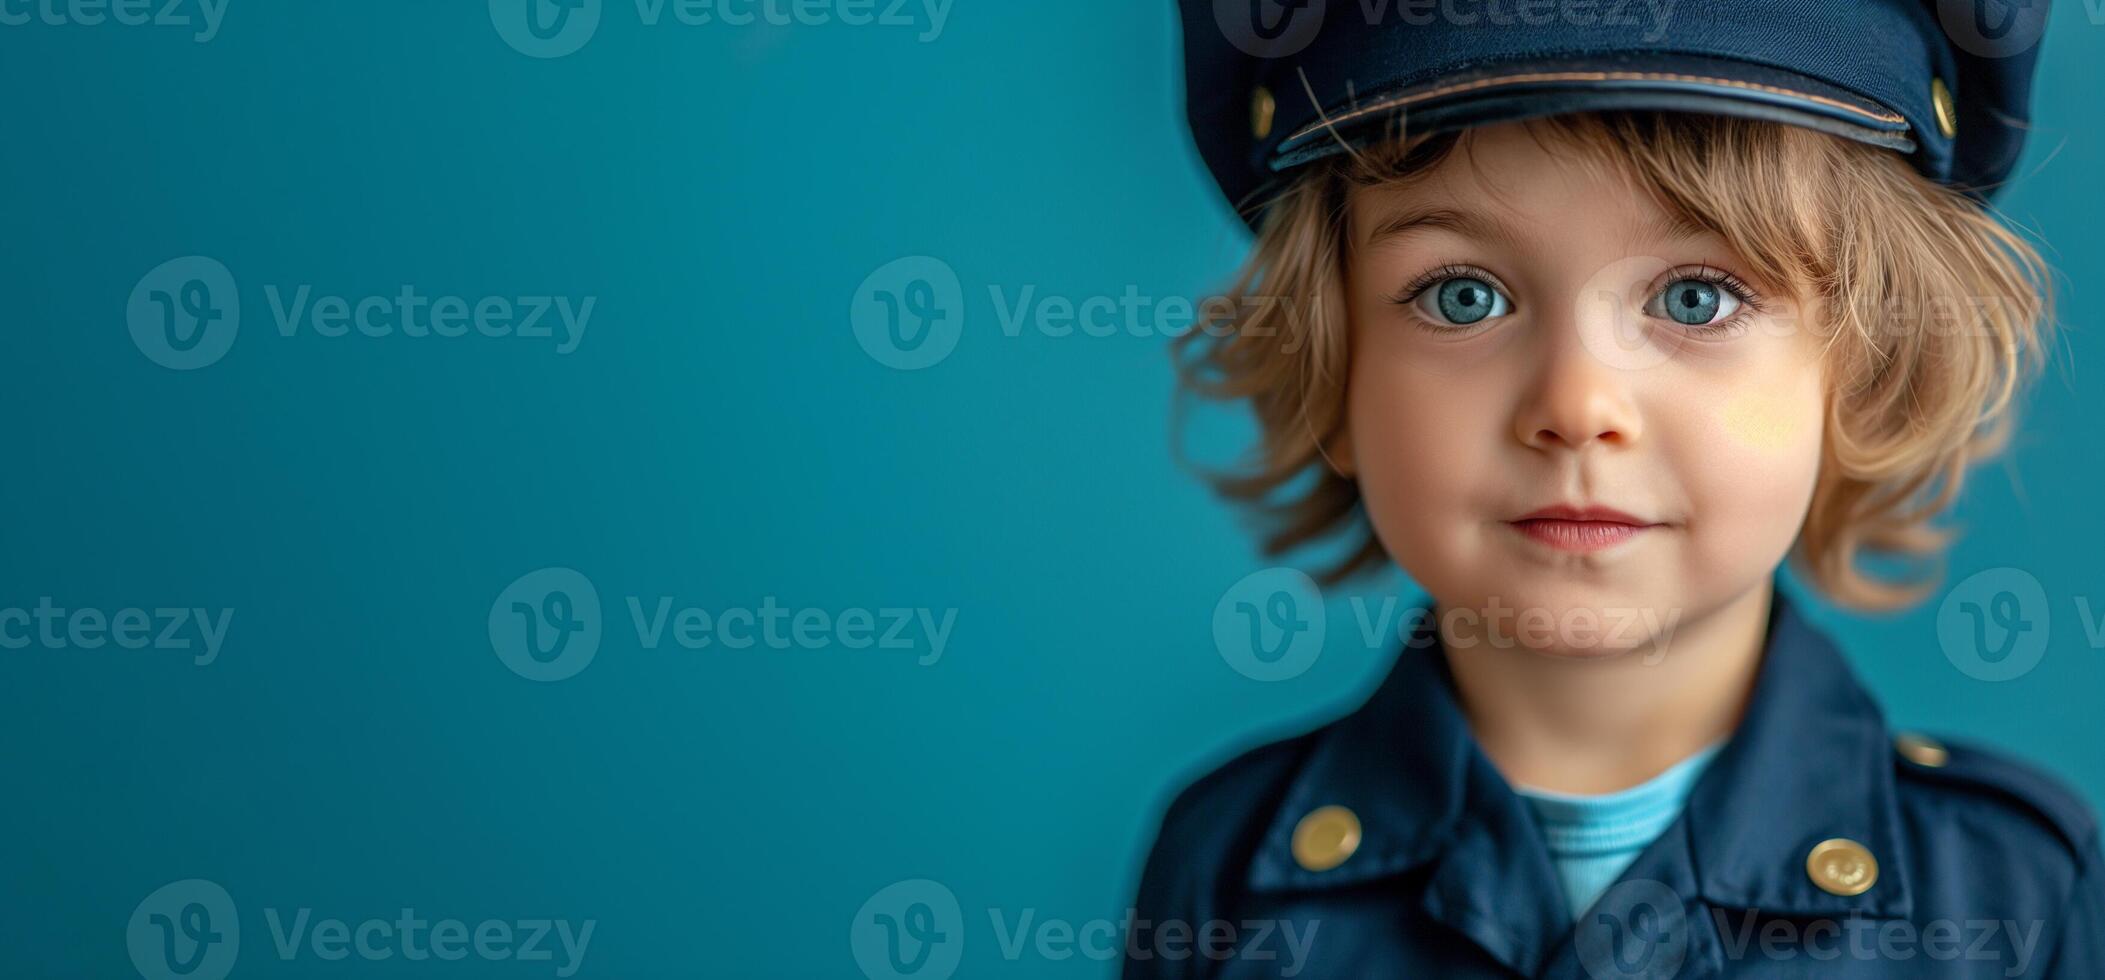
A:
(1591, 654)
(1583, 648)
(1581, 627)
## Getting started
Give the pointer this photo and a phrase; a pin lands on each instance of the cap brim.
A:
(1522, 89)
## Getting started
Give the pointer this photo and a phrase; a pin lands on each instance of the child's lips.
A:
(1582, 528)
(1582, 536)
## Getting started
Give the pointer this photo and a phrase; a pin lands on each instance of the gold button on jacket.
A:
(1326, 838)
(1841, 866)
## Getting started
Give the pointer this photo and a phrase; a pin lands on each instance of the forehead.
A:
(1521, 181)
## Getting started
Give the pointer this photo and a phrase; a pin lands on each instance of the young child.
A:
(1588, 326)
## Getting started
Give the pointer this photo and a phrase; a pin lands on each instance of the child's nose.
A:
(1576, 397)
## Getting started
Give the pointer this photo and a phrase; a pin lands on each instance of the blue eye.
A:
(1462, 300)
(1694, 303)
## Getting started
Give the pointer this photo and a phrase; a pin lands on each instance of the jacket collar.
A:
(1809, 761)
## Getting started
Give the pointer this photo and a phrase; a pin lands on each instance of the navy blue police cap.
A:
(1273, 84)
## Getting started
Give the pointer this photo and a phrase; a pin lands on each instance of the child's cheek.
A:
(1749, 459)
(1766, 424)
(1427, 449)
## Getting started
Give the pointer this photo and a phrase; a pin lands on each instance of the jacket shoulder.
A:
(1208, 833)
(1232, 803)
(1958, 776)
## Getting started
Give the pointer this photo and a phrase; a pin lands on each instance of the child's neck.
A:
(1596, 725)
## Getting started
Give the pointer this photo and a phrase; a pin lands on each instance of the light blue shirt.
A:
(1592, 838)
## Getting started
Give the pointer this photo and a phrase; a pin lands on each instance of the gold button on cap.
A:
(1841, 866)
(1326, 838)
(1261, 107)
(1947, 110)
(1921, 749)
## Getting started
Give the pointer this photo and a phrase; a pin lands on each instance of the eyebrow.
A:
(1667, 226)
(1470, 224)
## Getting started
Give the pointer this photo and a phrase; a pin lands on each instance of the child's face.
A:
(1544, 335)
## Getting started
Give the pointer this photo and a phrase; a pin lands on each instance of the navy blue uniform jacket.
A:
(1984, 868)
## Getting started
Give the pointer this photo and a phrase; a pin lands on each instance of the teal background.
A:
(719, 437)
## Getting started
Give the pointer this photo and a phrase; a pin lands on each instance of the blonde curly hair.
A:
(1935, 313)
